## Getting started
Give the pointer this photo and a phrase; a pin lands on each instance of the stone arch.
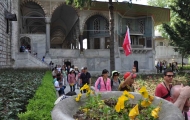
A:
(63, 3)
(25, 41)
(34, 12)
(93, 14)
(37, 2)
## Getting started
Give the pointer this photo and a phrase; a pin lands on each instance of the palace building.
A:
(55, 30)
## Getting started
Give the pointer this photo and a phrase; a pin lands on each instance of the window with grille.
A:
(106, 26)
(96, 24)
(141, 26)
(161, 43)
(149, 42)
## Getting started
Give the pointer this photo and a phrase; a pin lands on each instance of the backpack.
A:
(112, 82)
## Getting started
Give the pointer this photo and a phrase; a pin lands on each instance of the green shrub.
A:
(40, 106)
(185, 67)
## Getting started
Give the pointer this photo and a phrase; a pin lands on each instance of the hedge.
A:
(40, 106)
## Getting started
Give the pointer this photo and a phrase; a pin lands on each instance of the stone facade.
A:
(165, 52)
(5, 38)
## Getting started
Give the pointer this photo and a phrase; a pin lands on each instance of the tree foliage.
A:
(178, 31)
(79, 3)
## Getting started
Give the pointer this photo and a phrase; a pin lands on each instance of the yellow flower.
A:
(151, 98)
(155, 112)
(134, 112)
(118, 107)
(144, 92)
(79, 94)
(120, 103)
(86, 87)
(88, 93)
(122, 100)
(128, 94)
(145, 103)
(85, 109)
(78, 97)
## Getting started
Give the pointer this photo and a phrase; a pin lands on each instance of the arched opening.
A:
(33, 19)
(67, 63)
(136, 65)
(96, 31)
(25, 44)
(64, 28)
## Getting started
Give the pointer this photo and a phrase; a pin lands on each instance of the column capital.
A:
(48, 20)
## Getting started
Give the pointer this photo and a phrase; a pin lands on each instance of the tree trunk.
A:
(182, 55)
(111, 30)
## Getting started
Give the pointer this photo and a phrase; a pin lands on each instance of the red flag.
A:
(127, 43)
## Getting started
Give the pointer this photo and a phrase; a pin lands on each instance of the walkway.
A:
(68, 89)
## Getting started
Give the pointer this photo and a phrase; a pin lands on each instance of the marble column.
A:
(102, 43)
(15, 8)
(48, 21)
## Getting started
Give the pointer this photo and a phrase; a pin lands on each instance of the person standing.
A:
(64, 74)
(59, 88)
(163, 89)
(72, 80)
(85, 78)
(77, 72)
(128, 81)
(68, 70)
(161, 67)
(43, 59)
(103, 83)
(115, 81)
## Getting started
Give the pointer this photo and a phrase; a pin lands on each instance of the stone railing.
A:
(26, 60)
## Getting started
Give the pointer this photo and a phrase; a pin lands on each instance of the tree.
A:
(178, 31)
(87, 3)
(177, 26)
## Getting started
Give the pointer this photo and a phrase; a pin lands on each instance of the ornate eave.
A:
(159, 15)
(137, 50)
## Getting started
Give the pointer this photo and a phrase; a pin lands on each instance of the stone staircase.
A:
(27, 60)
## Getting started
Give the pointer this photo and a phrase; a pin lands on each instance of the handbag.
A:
(99, 86)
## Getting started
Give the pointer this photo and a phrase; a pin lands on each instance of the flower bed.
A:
(151, 81)
(17, 87)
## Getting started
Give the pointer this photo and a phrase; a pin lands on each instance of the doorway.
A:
(136, 65)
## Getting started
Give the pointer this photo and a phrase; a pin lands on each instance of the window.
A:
(106, 26)
(96, 24)
(141, 26)
(134, 40)
(161, 43)
(149, 42)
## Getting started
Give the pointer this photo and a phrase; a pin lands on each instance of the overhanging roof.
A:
(160, 15)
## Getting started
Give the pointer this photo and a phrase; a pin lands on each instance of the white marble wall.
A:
(93, 53)
(62, 53)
